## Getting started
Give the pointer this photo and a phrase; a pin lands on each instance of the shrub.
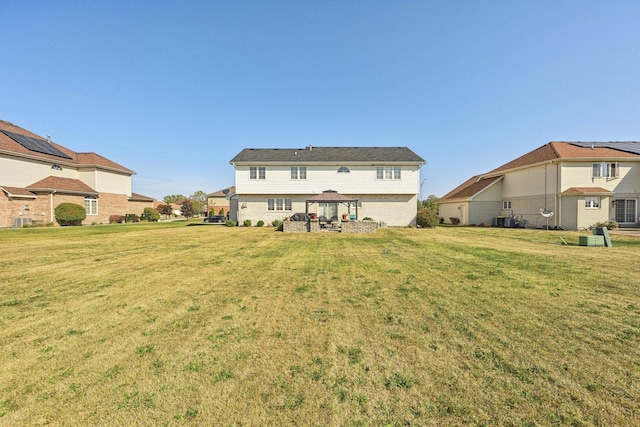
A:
(367, 218)
(611, 225)
(260, 223)
(427, 218)
(150, 214)
(131, 218)
(221, 212)
(70, 214)
(118, 219)
(230, 223)
(247, 223)
(454, 220)
(280, 226)
(276, 223)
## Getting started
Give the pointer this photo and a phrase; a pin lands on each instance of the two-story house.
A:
(36, 175)
(275, 183)
(574, 184)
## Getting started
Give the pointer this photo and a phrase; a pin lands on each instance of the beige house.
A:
(276, 183)
(36, 175)
(568, 185)
(219, 200)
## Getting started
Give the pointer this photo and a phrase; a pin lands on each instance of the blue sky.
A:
(174, 89)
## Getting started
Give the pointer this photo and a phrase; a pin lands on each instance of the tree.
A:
(430, 203)
(173, 198)
(199, 201)
(165, 210)
(187, 208)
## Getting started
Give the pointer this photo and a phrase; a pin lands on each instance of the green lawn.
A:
(169, 324)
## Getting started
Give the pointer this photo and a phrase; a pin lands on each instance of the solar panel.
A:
(37, 145)
(627, 146)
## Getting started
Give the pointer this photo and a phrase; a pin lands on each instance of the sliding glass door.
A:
(626, 211)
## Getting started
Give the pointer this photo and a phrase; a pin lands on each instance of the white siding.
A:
(21, 172)
(394, 210)
(111, 182)
(530, 181)
(360, 179)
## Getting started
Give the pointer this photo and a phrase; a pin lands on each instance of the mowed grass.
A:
(168, 324)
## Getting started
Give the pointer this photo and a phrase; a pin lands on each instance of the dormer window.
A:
(343, 169)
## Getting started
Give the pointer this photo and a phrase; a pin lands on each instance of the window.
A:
(299, 172)
(343, 169)
(388, 172)
(278, 204)
(506, 204)
(257, 172)
(91, 205)
(592, 202)
(605, 170)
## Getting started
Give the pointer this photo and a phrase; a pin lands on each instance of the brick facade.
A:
(40, 209)
(344, 227)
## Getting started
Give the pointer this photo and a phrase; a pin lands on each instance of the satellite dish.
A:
(546, 213)
(225, 191)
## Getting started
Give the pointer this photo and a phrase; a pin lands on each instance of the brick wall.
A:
(346, 227)
(360, 227)
(40, 208)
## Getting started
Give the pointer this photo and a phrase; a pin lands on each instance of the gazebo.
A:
(332, 196)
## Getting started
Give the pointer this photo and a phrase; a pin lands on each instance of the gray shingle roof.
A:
(327, 155)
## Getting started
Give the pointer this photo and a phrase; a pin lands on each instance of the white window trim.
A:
(506, 204)
(257, 173)
(274, 202)
(592, 202)
(605, 170)
(388, 173)
(298, 173)
(91, 205)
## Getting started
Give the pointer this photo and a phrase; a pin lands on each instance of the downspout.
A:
(558, 196)
(51, 205)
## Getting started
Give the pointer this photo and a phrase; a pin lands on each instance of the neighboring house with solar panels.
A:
(575, 184)
(276, 183)
(36, 175)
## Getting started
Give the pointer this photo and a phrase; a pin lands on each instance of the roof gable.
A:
(64, 185)
(470, 188)
(327, 155)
